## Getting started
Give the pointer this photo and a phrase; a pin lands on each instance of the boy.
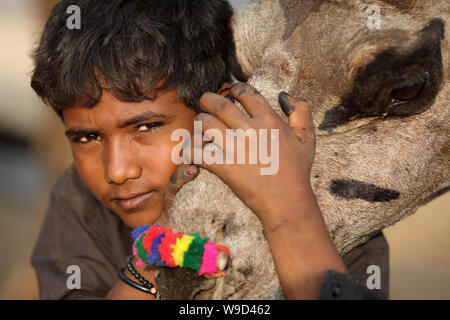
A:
(131, 75)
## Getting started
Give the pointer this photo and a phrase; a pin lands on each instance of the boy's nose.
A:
(120, 162)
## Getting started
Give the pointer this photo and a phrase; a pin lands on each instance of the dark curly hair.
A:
(133, 49)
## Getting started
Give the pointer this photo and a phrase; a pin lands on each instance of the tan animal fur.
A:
(316, 50)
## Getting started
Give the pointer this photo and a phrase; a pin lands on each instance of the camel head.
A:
(376, 74)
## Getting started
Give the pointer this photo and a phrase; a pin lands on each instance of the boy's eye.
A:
(87, 138)
(148, 126)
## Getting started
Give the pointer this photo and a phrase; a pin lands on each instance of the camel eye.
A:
(407, 93)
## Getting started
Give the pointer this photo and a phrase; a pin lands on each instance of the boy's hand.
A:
(284, 202)
(296, 146)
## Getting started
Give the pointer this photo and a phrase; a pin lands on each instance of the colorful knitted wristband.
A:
(159, 246)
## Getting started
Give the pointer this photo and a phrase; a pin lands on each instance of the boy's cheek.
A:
(95, 182)
(92, 174)
(90, 170)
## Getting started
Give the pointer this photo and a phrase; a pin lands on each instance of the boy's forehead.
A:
(111, 111)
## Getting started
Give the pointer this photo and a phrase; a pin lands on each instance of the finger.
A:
(212, 127)
(251, 99)
(299, 115)
(209, 133)
(225, 110)
(181, 176)
(207, 148)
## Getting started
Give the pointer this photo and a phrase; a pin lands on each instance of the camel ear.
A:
(253, 26)
(256, 24)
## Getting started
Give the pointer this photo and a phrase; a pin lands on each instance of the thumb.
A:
(299, 115)
(182, 175)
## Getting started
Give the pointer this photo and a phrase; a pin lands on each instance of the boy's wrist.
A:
(300, 205)
(300, 245)
(145, 271)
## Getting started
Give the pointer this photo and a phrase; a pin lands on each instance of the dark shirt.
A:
(78, 230)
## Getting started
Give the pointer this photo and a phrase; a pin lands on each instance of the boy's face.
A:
(122, 151)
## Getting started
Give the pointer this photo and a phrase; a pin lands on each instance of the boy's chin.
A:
(135, 218)
(149, 213)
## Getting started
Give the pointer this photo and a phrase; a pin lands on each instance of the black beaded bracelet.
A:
(143, 284)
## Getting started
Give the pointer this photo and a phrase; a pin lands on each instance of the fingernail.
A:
(285, 104)
(187, 174)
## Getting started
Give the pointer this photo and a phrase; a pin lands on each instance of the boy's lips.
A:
(133, 201)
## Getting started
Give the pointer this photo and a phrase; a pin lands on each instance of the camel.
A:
(379, 99)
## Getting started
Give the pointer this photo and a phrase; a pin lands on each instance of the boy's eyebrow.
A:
(148, 115)
(79, 132)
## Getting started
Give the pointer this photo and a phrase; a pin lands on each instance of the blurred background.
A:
(34, 152)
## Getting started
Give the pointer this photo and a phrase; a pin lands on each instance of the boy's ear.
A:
(224, 89)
